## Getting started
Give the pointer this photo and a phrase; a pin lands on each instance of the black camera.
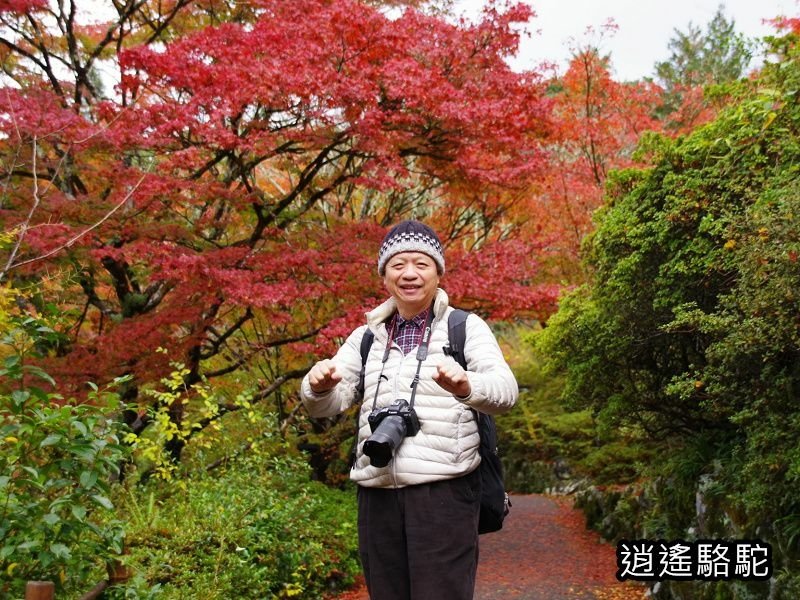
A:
(389, 426)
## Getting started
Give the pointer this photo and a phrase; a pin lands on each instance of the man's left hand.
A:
(453, 378)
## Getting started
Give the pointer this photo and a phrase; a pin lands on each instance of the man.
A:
(418, 500)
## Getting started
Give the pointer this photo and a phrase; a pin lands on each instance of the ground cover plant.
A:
(256, 528)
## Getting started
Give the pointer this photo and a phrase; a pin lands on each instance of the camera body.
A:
(399, 409)
(389, 426)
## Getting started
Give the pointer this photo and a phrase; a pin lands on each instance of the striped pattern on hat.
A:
(411, 236)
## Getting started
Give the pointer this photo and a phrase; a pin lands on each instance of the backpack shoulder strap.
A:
(366, 344)
(457, 336)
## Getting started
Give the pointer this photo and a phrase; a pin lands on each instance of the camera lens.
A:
(382, 443)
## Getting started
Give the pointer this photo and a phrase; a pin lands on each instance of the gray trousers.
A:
(420, 542)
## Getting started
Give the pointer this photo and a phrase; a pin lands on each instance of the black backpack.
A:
(495, 502)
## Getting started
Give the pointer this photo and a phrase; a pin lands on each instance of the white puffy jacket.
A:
(447, 443)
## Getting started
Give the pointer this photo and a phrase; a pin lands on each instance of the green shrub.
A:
(257, 528)
(57, 459)
(545, 443)
(616, 461)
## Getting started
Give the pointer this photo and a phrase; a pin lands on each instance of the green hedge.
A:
(688, 332)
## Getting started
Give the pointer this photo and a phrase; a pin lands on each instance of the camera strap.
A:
(422, 354)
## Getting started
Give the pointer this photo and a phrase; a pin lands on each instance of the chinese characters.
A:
(704, 559)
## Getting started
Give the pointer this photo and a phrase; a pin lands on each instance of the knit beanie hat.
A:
(411, 236)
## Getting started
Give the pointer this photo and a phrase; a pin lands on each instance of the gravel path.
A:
(544, 552)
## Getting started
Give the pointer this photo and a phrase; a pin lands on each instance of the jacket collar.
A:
(377, 316)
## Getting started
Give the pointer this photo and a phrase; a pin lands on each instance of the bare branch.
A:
(74, 239)
(26, 222)
(246, 357)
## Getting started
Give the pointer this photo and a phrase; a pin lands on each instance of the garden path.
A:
(544, 552)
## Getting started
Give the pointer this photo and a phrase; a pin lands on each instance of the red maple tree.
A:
(228, 198)
(599, 123)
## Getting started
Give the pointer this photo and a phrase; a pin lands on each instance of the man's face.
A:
(411, 278)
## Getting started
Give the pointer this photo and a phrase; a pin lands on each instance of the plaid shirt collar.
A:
(408, 332)
(418, 320)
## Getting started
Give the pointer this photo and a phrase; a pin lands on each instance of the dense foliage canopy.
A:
(688, 330)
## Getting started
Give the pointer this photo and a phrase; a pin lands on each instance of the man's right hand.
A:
(323, 376)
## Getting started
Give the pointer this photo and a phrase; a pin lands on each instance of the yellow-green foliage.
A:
(202, 422)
